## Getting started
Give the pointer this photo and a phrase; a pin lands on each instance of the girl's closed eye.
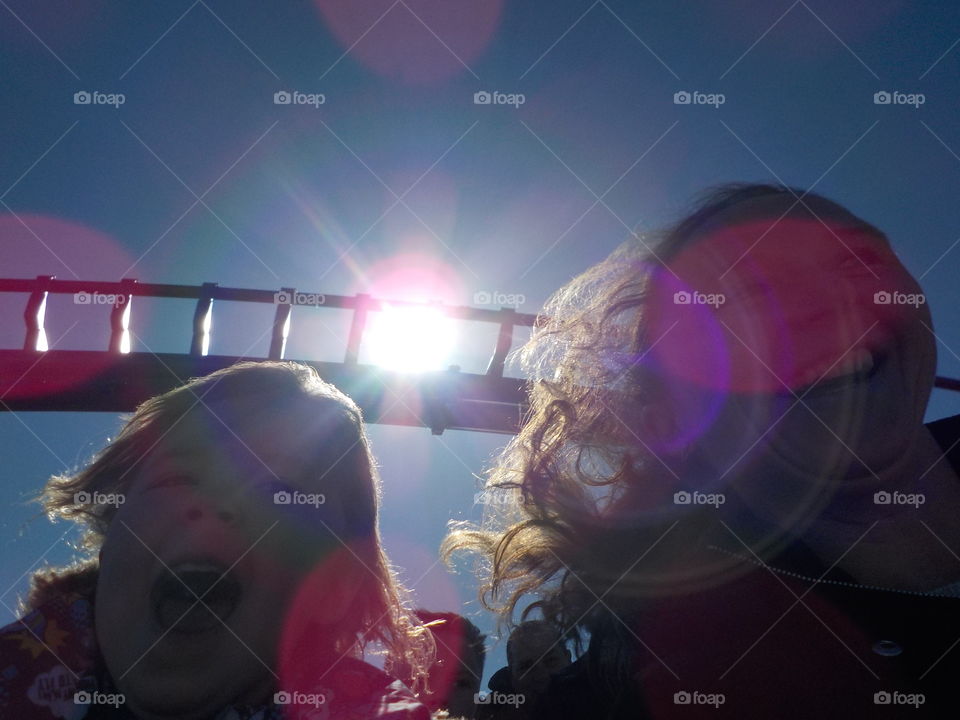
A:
(271, 485)
(275, 483)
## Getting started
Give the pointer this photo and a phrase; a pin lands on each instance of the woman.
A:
(726, 481)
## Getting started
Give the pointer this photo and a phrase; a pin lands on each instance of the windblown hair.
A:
(459, 627)
(455, 634)
(381, 612)
(572, 519)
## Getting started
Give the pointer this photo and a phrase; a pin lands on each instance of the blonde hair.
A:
(381, 612)
(570, 520)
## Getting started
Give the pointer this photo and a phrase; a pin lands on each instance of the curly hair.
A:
(582, 488)
(466, 633)
(382, 611)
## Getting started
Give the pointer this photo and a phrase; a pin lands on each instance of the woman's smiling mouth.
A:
(858, 366)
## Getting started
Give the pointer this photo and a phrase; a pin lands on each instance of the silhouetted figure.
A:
(536, 651)
(454, 677)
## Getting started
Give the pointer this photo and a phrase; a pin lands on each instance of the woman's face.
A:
(200, 517)
(809, 338)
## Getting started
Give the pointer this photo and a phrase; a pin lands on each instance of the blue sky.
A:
(399, 184)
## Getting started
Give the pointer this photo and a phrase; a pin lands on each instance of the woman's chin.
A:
(843, 463)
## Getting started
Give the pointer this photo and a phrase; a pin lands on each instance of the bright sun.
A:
(409, 339)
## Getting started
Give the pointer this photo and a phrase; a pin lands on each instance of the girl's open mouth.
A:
(194, 598)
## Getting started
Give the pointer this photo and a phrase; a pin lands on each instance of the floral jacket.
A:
(50, 669)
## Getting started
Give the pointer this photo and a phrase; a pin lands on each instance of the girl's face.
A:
(205, 515)
(808, 308)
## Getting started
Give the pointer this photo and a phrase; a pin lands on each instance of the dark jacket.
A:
(772, 645)
(501, 688)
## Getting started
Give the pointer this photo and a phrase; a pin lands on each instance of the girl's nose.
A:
(223, 512)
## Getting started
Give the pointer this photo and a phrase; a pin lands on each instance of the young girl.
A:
(235, 568)
(726, 479)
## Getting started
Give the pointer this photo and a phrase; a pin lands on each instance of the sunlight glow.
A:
(409, 339)
(125, 321)
(42, 345)
(207, 325)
